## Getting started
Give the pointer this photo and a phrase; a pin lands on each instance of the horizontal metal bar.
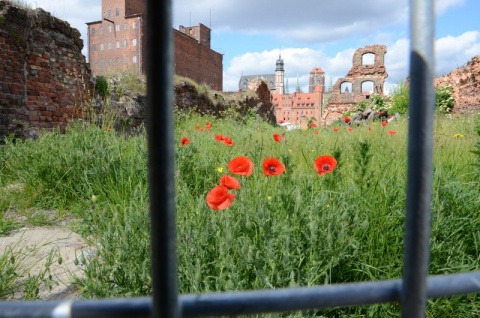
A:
(248, 302)
(321, 297)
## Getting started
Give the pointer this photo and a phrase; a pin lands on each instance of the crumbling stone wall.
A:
(342, 100)
(44, 77)
(466, 86)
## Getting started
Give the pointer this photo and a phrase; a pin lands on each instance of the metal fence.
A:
(411, 291)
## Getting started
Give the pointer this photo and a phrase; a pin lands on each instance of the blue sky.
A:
(251, 34)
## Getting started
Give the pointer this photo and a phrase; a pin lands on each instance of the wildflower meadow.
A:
(257, 206)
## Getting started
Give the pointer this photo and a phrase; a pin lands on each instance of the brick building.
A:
(298, 108)
(117, 43)
(195, 59)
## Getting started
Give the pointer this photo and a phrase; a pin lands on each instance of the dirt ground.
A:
(35, 244)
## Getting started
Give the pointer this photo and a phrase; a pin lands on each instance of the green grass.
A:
(296, 229)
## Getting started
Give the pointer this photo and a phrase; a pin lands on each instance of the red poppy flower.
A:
(350, 129)
(184, 141)
(384, 123)
(335, 129)
(209, 125)
(346, 119)
(313, 125)
(227, 141)
(219, 137)
(273, 167)
(277, 137)
(316, 132)
(392, 132)
(369, 128)
(281, 121)
(218, 198)
(241, 165)
(324, 164)
(229, 182)
(197, 127)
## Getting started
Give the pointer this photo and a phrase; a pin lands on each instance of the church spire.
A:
(279, 76)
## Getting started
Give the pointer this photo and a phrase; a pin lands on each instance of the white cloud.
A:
(452, 52)
(443, 5)
(304, 23)
(298, 62)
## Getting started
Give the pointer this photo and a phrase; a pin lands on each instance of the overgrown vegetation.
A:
(296, 229)
(444, 100)
(101, 87)
(399, 99)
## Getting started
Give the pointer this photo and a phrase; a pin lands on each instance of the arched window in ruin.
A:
(368, 59)
(346, 88)
(367, 87)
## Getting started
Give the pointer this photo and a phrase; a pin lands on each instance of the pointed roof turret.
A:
(316, 70)
(279, 63)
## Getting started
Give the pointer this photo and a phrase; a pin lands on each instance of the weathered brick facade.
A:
(43, 74)
(194, 58)
(117, 43)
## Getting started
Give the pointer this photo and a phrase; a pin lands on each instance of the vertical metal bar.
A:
(420, 155)
(159, 45)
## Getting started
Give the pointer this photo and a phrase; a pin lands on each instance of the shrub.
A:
(399, 100)
(444, 100)
(101, 87)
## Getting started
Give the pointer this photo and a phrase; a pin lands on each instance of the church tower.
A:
(279, 77)
(317, 76)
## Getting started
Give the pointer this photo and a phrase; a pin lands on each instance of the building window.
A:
(125, 60)
(134, 42)
(109, 13)
(117, 44)
(100, 29)
(110, 29)
(117, 61)
(93, 31)
(117, 12)
(125, 43)
(94, 47)
(125, 26)
(117, 27)
(109, 45)
(134, 25)
(101, 47)
(134, 59)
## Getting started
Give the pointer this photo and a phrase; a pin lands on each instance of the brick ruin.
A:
(43, 75)
(364, 78)
(466, 86)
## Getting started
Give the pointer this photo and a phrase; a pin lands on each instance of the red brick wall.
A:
(44, 78)
(197, 61)
(134, 7)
